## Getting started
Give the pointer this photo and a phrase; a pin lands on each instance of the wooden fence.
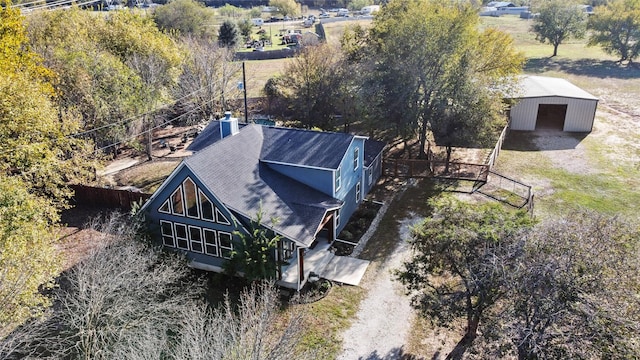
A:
(108, 198)
(496, 149)
(422, 168)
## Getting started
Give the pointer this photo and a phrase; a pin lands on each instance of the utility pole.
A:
(244, 83)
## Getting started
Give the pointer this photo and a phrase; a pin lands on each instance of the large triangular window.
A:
(189, 200)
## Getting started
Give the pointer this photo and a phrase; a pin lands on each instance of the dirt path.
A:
(384, 319)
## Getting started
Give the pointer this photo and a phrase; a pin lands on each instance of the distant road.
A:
(342, 18)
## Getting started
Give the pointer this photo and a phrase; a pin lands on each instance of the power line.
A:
(153, 128)
(132, 118)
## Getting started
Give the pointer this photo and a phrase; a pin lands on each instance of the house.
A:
(552, 103)
(498, 8)
(310, 181)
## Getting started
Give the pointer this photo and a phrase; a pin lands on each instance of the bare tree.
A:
(576, 292)
(129, 300)
(209, 79)
(254, 329)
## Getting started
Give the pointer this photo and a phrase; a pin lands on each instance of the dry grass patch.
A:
(147, 176)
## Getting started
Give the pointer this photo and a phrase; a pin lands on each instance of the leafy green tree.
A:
(419, 54)
(255, 12)
(187, 17)
(463, 254)
(616, 28)
(313, 86)
(34, 133)
(111, 68)
(558, 20)
(286, 7)
(28, 257)
(229, 11)
(228, 35)
(255, 255)
(246, 27)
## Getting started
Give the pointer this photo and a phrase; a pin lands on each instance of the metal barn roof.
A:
(542, 86)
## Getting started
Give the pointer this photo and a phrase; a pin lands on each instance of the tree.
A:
(462, 256)
(111, 68)
(255, 255)
(187, 17)
(28, 257)
(128, 300)
(228, 35)
(34, 133)
(286, 7)
(420, 52)
(616, 28)
(575, 292)
(313, 86)
(558, 21)
(246, 27)
(209, 77)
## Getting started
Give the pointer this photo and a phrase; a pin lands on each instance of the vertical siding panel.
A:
(579, 117)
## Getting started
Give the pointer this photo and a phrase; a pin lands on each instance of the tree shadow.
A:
(542, 140)
(586, 67)
(396, 353)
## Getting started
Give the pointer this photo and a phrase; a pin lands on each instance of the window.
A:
(165, 207)
(338, 178)
(166, 228)
(195, 239)
(181, 236)
(176, 202)
(288, 248)
(190, 198)
(221, 219)
(356, 158)
(358, 192)
(206, 207)
(226, 246)
(210, 242)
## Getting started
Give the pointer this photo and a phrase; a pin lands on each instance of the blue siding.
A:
(349, 179)
(348, 208)
(154, 218)
(321, 180)
(349, 176)
(375, 169)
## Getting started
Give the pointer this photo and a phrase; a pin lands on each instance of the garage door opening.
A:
(551, 116)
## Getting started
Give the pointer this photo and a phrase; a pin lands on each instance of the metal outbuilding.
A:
(551, 103)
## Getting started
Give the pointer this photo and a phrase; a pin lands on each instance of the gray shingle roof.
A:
(208, 136)
(304, 147)
(372, 148)
(232, 170)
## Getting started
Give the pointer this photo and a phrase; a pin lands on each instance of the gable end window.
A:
(356, 158)
(177, 207)
(197, 239)
(358, 192)
(166, 228)
(338, 178)
(189, 200)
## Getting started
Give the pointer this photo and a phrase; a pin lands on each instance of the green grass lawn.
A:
(611, 151)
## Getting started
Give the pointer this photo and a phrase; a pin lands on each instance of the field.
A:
(599, 170)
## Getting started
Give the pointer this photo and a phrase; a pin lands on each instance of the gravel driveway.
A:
(385, 315)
